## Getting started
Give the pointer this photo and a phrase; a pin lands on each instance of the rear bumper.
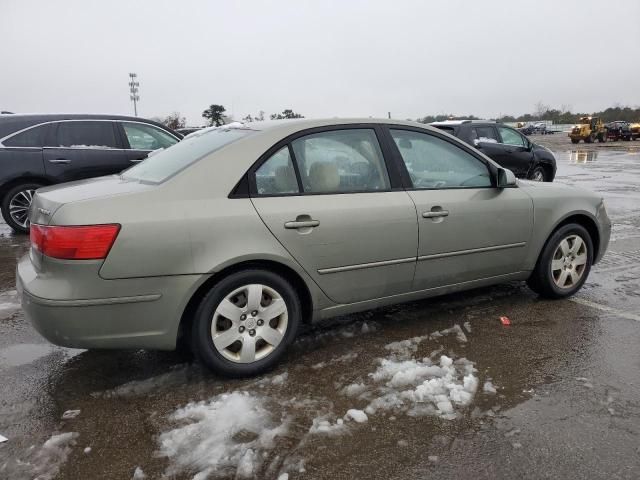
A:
(148, 315)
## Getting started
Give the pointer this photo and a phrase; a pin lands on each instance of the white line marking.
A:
(604, 308)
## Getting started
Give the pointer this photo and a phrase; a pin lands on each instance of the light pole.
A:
(133, 89)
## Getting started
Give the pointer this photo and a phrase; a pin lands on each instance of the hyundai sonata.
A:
(234, 237)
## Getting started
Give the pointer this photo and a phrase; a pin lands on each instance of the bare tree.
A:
(174, 121)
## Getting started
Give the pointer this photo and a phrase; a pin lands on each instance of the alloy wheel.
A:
(569, 262)
(249, 323)
(538, 175)
(19, 207)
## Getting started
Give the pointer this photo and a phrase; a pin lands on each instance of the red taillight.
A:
(82, 242)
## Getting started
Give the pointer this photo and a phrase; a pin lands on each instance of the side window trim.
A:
(393, 173)
(406, 178)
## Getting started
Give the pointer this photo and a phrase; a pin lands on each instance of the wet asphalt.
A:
(567, 378)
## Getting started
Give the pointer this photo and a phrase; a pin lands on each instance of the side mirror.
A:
(506, 178)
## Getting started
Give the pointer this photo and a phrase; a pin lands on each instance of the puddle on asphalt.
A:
(582, 156)
(16, 355)
(23, 354)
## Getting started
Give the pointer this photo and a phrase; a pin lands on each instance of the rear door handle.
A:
(60, 160)
(302, 224)
(436, 214)
(136, 160)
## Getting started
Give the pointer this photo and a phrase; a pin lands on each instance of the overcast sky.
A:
(320, 58)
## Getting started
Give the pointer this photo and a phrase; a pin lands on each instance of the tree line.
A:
(215, 116)
(562, 115)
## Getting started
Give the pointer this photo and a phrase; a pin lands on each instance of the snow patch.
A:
(138, 474)
(488, 387)
(227, 434)
(421, 387)
(52, 455)
(354, 389)
(323, 425)
(357, 416)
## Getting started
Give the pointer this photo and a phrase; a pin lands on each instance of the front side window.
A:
(511, 137)
(277, 176)
(436, 163)
(167, 163)
(147, 137)
(341, 161)
(34, 137)
(86, 135)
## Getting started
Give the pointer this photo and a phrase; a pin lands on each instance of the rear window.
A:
(166, 163)
(445, 128)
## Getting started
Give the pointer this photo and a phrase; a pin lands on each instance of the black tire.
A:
(575, 140)
(201, 337)
(542, 280)
(538, 171)
(602, 138)
(13, 223)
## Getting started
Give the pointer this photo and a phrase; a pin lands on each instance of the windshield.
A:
(166, 163)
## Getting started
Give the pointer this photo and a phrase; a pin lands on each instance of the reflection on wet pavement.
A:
(433, 388)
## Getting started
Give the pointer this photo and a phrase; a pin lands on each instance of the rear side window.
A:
(147, 137)
(167, 163)
(484, 135)
(277, 176)
(34, 137)
(86, 135)
(341, 161)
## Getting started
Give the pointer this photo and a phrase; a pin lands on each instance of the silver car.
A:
(231, 239)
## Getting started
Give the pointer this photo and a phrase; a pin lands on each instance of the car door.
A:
(329, 199)
(140, 139)
(80, 149)
(468, 229)
(516, 153)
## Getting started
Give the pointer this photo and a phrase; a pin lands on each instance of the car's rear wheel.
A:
(564, 264)
(16, 204)
(245, 323)
(538, 175)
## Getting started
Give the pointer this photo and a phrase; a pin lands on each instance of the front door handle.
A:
(136, 160)
(302, 224)
(435, 214)
(60, 160)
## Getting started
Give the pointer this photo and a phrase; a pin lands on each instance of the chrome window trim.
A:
(50, 122)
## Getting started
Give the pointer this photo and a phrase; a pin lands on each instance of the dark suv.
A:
(38, 150)
(506, 146)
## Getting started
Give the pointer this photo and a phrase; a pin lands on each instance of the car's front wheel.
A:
(564, 264)
(538, 175)
(245, 323)
(16, 204)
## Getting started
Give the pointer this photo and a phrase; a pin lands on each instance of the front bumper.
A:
(122, 314)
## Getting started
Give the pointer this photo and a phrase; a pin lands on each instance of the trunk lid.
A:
(49, 199)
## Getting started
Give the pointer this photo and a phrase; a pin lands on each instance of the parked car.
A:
(506, 146)
(619, 130)
(234, 237)
(187, 130)
(39, 150)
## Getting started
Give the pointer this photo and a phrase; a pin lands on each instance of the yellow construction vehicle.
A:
(590, 129)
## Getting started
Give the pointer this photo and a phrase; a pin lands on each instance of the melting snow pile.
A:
(422, 387)
(434, 385)
(52, 455)
(231, 434)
